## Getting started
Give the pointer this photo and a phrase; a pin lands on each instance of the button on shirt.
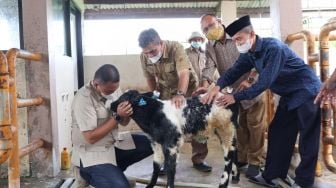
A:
(280, 70)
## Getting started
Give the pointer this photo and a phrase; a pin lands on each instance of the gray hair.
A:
(247, 29)
(147, 37)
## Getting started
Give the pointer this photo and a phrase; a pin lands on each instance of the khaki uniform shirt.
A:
(165, 72)
(197, 60)
(221, 56)
(89, 111)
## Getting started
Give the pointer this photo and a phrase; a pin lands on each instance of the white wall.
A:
(61, 76)
(52, 78)
(287, 19)
(131, 75)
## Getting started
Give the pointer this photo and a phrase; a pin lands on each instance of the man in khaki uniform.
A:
(98, 150)
(168, 70)
(196, 54)
(221, 53)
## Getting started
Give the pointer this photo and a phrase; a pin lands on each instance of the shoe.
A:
(288, 180)
(242, 165)
(252, 171)
(162, 171)
(203, 167)
(259, 179)
(295, 186)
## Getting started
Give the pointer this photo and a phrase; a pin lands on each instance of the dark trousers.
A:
(111, 176)
(282, 134)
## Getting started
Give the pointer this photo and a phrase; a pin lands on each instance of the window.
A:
(120, 37)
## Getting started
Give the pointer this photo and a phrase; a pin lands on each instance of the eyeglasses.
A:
(206, 29)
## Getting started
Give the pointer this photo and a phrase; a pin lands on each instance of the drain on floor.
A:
(65, 183)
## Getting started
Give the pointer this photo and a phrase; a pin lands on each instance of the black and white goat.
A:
(166, 126)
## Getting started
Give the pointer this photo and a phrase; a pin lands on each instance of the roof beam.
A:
(140, 1)
(253, 12)
(147, 13)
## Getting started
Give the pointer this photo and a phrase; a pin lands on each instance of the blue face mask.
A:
(195, 44)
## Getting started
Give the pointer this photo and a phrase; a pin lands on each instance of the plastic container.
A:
(65, 159)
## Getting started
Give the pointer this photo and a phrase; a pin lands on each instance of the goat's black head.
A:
(133, 97)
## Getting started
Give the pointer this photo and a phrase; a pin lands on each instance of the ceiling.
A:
(126, 9)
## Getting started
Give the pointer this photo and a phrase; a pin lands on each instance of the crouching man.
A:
(99, 153)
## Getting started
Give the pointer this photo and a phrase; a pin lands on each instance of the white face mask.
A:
(108, 97)
(244, 48)
(196, 45)
(156, 58)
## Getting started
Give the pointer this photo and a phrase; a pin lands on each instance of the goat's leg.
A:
(157, 163)
(224, 181)
(235, 171)
(170, 165)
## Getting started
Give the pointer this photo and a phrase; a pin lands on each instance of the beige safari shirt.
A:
(89, 111)
(221, 56)
(174, 60)
(197, 60)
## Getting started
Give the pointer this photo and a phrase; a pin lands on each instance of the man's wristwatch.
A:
(116, 116)
(250, 80)
(179, 92)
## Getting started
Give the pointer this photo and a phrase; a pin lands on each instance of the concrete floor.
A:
(184, 172)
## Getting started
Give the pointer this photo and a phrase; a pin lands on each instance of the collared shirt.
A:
(221, 56)
(89, 111)
(166, 71)
(280, 70)
(197, 60)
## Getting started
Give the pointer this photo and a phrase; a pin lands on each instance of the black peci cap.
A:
(237, 25)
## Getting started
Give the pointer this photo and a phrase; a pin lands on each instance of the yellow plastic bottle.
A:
(65, 159)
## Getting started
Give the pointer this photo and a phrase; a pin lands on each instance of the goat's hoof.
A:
(223, 186)
(235, 180)
(149, 186)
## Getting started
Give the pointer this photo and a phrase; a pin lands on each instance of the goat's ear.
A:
(148, 94)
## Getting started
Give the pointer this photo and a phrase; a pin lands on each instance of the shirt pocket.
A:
(151, 69)
(102, 113)
(171, 76)
(169, 67)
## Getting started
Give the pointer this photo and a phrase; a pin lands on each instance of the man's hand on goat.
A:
(243, 85)
(178, 100)
(210, 96)
(125, 109)
(200, 90)
(225, 100)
